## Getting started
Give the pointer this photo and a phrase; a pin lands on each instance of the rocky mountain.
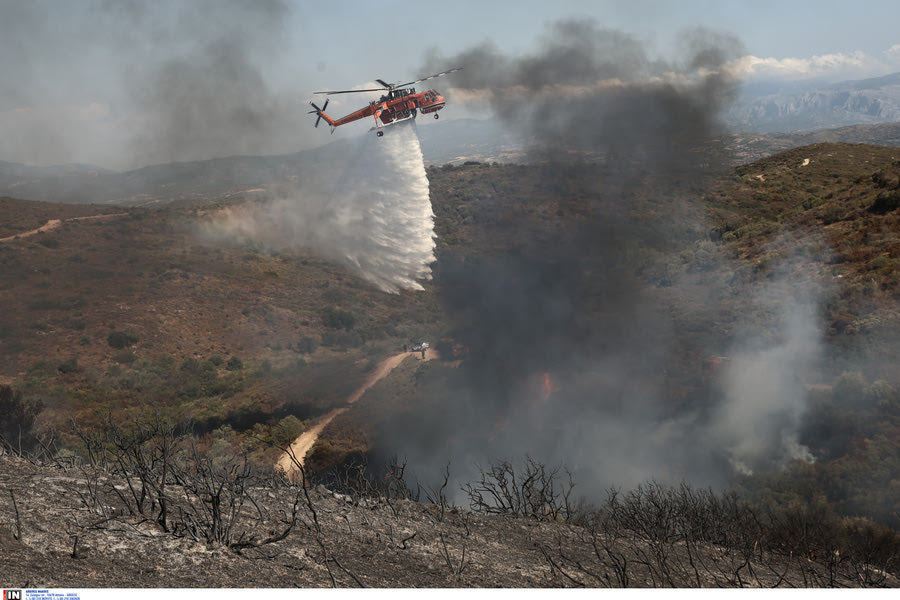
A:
(865, 101)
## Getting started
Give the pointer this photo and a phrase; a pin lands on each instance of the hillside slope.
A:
(65, 530)
(146, 312)
(710, 269)
(538, 276)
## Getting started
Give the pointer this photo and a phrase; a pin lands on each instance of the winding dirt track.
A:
(288, 463)
(54, 223)
(48, 226)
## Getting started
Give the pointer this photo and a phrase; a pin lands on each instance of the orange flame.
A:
(547, 387)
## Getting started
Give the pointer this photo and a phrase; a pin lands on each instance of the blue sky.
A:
(122, 83)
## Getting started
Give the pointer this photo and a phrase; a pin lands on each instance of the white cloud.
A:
(893, 54)
(831, 67)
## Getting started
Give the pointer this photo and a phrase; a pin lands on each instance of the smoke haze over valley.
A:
(567, 306)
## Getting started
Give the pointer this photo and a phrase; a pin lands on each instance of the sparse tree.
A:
(17, 417)
(533, 491)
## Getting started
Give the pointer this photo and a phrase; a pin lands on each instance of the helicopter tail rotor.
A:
(318, 111)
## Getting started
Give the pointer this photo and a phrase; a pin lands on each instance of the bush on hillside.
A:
(885, 202)
(306, 345)
(336, 318)
(17, 421)
(121, 339)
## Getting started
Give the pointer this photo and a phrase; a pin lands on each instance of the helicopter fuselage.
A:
(401, 102)
(396, 105)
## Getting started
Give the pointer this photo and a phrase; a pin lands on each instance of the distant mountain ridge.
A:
(817, 106)
(448, 142)
(445, 142)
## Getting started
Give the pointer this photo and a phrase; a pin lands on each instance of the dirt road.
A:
(48, 226)
(54, 223)
(303, 444)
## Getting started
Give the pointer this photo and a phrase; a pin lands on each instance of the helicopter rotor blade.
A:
(388, 86)
(349, 91)
(441, 74)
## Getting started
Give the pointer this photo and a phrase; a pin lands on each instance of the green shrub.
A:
(69, 366)
(336, 318)
(125, 358)
(121, 339)
(881, 262)
(884, 396)
(17, 420)
(885, 202)
(813, 202)
(287, 430)
(850, 389)
(234, 364)
(306, 345)
(342, 340)
(190, 366)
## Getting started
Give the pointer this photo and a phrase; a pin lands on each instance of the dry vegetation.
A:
(148, 510)
(142, 319)
(144, 313)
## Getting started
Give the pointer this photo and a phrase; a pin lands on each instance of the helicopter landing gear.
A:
(379, 133)
(436, 115)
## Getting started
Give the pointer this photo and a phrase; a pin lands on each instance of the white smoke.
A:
(765, 384)
(368, 209)
(765, 396)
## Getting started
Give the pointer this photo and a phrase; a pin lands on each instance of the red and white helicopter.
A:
(400, 103)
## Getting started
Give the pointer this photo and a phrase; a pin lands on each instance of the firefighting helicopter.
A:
(400, 103)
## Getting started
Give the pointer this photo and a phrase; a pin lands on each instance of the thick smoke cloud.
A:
(126, 84)
(365, 206)
(598, 90)
(569, 347)
(213, 97)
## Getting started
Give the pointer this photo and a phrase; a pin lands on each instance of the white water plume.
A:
(367, 207)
